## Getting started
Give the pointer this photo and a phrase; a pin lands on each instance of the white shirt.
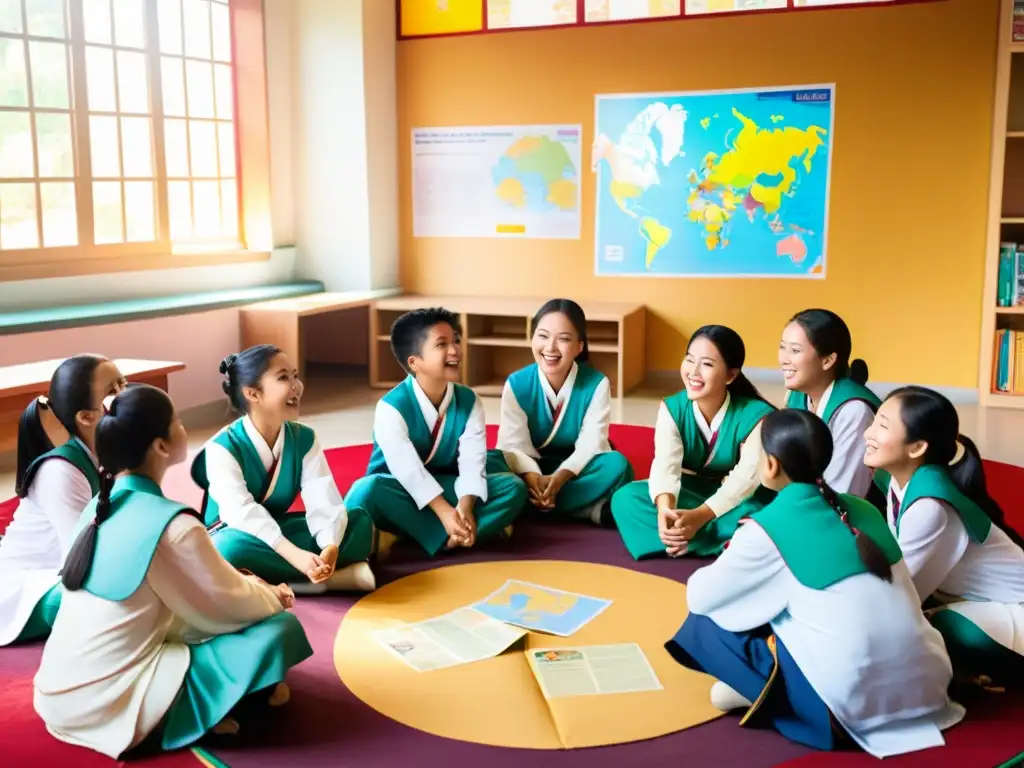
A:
(111, 670)
(37, 541)
(514, 438)
(946, 563)
(325, 510)
(392, 435)
(847, 473)
(666, 469)
(862, 643)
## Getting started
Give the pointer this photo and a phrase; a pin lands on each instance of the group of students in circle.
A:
(860, 564)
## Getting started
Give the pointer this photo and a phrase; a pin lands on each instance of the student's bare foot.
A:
(357, 577)
(280, 696)
(226, 727)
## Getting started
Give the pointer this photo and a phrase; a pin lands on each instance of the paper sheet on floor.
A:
(593, 669)
(541, 609)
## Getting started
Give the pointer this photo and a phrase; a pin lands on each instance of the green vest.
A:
(127, 539)
(445, 459)
(740, 420)
(529, 392)
(298, 440)
(814, 542)
(843, 391)
(932, 482)
(76, 454)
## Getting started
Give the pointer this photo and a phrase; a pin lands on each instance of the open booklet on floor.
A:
(592, 669)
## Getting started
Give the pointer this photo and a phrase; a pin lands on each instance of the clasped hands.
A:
(677, 526)
(543, 489)
(458, 521)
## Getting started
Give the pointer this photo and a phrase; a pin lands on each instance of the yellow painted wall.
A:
(909, 174)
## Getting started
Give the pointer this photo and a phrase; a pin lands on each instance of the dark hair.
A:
(138, 416)
(245, 370)
(930, 417)
(734, 353)
(802, 444)
(409, 332)
(829, 334)
(574, 313)
(70, 392)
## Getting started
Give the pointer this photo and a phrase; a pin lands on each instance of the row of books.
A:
(1018, 21)
(1009, 368)
(1010, 282)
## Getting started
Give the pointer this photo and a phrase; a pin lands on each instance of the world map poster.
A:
(714, 183)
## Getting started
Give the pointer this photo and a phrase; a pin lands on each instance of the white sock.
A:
(726, 699)
(357, 577)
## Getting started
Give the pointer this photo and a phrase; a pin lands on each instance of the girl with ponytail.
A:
(554, 422)
(158, 638)
(955, 539)
(706, 450)
(810, 614)
(56, 477)
(814, 355)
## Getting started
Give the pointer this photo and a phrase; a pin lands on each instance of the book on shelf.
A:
(1009, 365)
(1010, 280)
(1018, 21)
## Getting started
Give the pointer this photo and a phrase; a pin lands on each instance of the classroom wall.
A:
(909, 175)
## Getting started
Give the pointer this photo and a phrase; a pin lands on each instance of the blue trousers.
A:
(757, 665)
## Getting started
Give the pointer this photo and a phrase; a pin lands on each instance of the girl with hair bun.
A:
(810, 615)
(57, 475)
(960, 550)
(706, 449)
(158, 638)
(814, 355)
(555, 415)
(252, 472)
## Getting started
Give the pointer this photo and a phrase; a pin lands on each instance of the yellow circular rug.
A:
(499, 701)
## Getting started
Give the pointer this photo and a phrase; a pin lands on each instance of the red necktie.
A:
(556, 411)
(895, 505)
(714, 439)
(436, 430)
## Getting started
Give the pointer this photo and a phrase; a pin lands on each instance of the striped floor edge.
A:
(210, 761)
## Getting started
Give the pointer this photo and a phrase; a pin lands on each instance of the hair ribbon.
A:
(43, 401)
(959, 454)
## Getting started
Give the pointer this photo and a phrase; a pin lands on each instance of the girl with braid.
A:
(158, 638)
(809, 619)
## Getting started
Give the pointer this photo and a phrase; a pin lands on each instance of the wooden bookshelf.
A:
(1006, 204)
(496, 339)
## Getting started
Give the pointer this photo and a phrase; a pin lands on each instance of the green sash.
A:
(932, 482)
(739, 421)
(76, 454)
(843, 391)
(445, 459)
(126, 541)
(298, 440)
(529, 392)
(817, 546)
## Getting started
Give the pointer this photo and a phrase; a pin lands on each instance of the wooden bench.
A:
(19, 384)
(283, 322)
(497, 333)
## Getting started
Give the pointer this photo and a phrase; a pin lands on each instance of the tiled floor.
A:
(340, 409)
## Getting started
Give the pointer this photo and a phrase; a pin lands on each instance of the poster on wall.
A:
(714, 183)
(699, 7)
(497, 181)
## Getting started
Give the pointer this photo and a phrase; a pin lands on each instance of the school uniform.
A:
(421, 452)
(249, 488)
(698, 463)
(789, 617)
(60, 484)
(164, 637)
(848, 408)
(958, 557)
(543, 432)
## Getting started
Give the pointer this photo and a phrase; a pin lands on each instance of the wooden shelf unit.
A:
(1006, 204)
(496, 339)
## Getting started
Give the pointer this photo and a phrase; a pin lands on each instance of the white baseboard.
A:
(956, 395)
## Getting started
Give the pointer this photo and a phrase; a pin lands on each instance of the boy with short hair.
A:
(426, 476)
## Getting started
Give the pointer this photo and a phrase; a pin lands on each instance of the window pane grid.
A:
(134, 68)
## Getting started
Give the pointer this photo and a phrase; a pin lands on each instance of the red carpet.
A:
(312, 730)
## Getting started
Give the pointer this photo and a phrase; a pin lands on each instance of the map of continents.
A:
(725, 183)
(536, 173)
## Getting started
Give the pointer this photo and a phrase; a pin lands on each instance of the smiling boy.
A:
(426, 477)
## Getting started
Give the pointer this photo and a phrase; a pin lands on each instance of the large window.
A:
(117, 127)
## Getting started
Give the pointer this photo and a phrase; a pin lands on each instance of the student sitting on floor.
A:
(706, 448)
(814, 355)
(254, 469)
(957, 545)
(426, 477)
(810, 617)
(554, 422)
(54, 485)
(157, 636)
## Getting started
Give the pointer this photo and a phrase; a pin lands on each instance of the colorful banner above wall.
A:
(433, 18)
